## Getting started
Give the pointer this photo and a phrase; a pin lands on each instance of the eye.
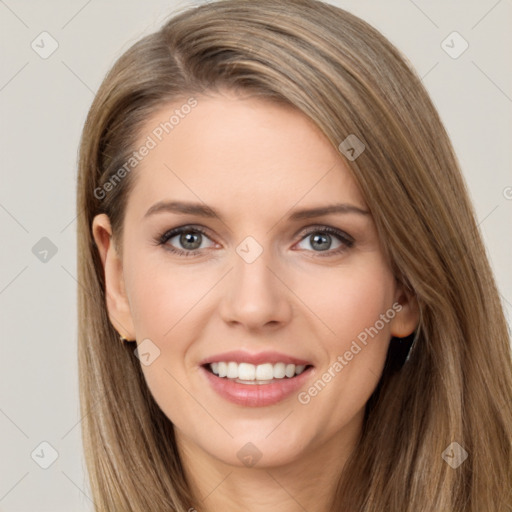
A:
(321, 239)
(192, 240)
(185, 240)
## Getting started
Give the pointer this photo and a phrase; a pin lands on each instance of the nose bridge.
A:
(255, 296)
(251, 272)
(251, 276)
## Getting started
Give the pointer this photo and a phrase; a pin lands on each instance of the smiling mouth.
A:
(247, 373)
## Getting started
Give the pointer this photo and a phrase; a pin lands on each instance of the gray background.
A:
(43, 106)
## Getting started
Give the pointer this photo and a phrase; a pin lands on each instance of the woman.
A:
(273, 219)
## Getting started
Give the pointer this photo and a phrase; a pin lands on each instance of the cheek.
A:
(161, 299)
(351, 306)
(350, 300)
(163, 303)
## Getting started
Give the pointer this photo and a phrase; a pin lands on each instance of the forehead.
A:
(247, 149)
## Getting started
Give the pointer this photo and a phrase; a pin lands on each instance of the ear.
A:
(117, 302)
(407, 318)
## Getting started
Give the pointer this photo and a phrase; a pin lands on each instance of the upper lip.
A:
(241, 356)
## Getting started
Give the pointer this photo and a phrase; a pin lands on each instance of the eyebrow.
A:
(204, 210)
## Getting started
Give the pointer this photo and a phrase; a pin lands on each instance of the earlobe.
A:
(115, 292)
(407, 317)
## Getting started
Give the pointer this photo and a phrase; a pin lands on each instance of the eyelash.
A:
(346, 240)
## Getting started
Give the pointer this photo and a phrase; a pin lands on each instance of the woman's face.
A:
(229, 247)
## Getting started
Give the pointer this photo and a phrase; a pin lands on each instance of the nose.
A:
(256, 295)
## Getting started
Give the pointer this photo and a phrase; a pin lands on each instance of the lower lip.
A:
(256, 395)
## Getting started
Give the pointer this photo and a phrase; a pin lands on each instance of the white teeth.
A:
(264, 372)
(223, 369)
(261, 372)
(299, 368)
(279, 369)
(246, 371)
(290, 370)
(232, 370)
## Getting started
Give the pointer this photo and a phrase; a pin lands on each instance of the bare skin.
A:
(255, 163)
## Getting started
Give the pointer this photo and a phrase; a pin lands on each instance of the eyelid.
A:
(323, 228)
(170, 233)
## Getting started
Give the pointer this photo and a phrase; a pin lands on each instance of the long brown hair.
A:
(456, 385)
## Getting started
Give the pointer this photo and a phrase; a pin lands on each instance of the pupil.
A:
(321, 241)
(190, 240)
